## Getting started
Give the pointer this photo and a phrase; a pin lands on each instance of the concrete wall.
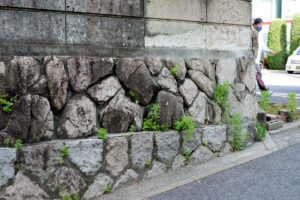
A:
(99, 27)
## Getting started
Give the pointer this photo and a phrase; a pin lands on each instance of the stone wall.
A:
(64, 98)
(125, 28)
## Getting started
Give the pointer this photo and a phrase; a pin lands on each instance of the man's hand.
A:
(272, 53)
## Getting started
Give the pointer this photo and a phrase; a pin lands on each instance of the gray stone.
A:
(57, 83)
(42, 159)
(203, 82)
(3, 82)
(36, 4)
(3, 136)
(78, 118)
(240, 91)
(158, 168)
(275, 124)
(103, 31)
(97, 188)
(226, 71)
(3, 119)
(261, 116)
(41, 87)
(189, 91)
(193, 143)
(217, 114)
(105, 90)
(200, 111)
(202, 65)
(21, 73)
(33, 28)
(116, 157)
(49, 127)
(80, 74)
(167, 145)
(141, 150)
(225, 150)
(171, 108)
(117, 7)
(178, 163)
(101, 67)
(215, 136)
(7, 160)
(166, 81)
(171, 63)
(136, 77)
(24, 188)
(247, 73)
(250, 106)
(86, 155)
(129, 177)
(154, 65)
(201, 155)
(67, 179)
(120, 113)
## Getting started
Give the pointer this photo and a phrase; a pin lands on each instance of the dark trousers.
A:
(259, 80)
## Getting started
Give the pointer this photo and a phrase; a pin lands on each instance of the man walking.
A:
(258, 47)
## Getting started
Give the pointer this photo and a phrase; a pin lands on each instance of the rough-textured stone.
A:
(201, 111)
(97, 188)
(166, 81)
(247, 73)
(226, 71)
(78, 118)
(178, 163)
(80, 74)
(158, 168)
(3, 119)
(67, 179)
(171, 63)
(3, 82)
(193, 143)
(86, 155)
(136, 77)
(41, 87)
(226, 149)
(202, 65)
(101, 67)
(167, 145)
(49, 127)
(250, 107)
(21, 73)
(240, 91)
(35, 4)
(154, 65)
(24, 188)
(203, 82)
(141, 149)
(218, 114)
(7, 160)
(215, 136)
(105, 90)
(57, 83)
(120, 113)
(117, 156)
(129, 177)
(171, 108)
(201, 155)
(41, 160)
(189, 91)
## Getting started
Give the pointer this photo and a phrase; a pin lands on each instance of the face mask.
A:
(259, 28)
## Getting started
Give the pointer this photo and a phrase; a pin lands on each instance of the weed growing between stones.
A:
(69, 197)
(61, 163)
(205, 143)
(132, 128)
(261, 132)
(107, 188)
(134, 96)
(148, 163)
(187, 125)
(7, 103)
(187, 155)
(221, 97)
(7, 142)
(174, 70)
(151, 122)
(238, 139)
(64, 152)
(102, 133)
(265, 102)
(19, 144)
(292, 107)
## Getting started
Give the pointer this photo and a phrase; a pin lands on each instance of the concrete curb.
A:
(286, 127)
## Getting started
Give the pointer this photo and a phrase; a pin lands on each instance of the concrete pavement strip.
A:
(174, 179)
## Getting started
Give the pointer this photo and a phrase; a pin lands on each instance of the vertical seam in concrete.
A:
(205, 25)
(66, 41)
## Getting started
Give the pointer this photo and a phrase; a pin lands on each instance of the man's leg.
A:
(260, 82)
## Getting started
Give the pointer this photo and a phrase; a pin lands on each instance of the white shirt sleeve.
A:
(261, 47)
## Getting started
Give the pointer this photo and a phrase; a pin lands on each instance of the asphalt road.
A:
(281, 83)
(273, 177)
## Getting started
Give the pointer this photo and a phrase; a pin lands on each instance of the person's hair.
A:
(258, 21)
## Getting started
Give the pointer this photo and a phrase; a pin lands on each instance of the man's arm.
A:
(262, 45)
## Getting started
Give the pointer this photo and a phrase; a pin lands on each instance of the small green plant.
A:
(221, 97)
(151, 122)
(136, 98)
(265, 102)
(7, 142)
(67, 197)
(260, 132)
(19, 144)
(64, 152)
(164, 128)
(174, 70)
(205, 143)
(107, 188)
(187, 125)
(76, 196)
(148, 163)
(292, 107)
(61, 162)
(102, 133)
(132, 128)
(7, 103)
(187, 156)
(239, 138)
